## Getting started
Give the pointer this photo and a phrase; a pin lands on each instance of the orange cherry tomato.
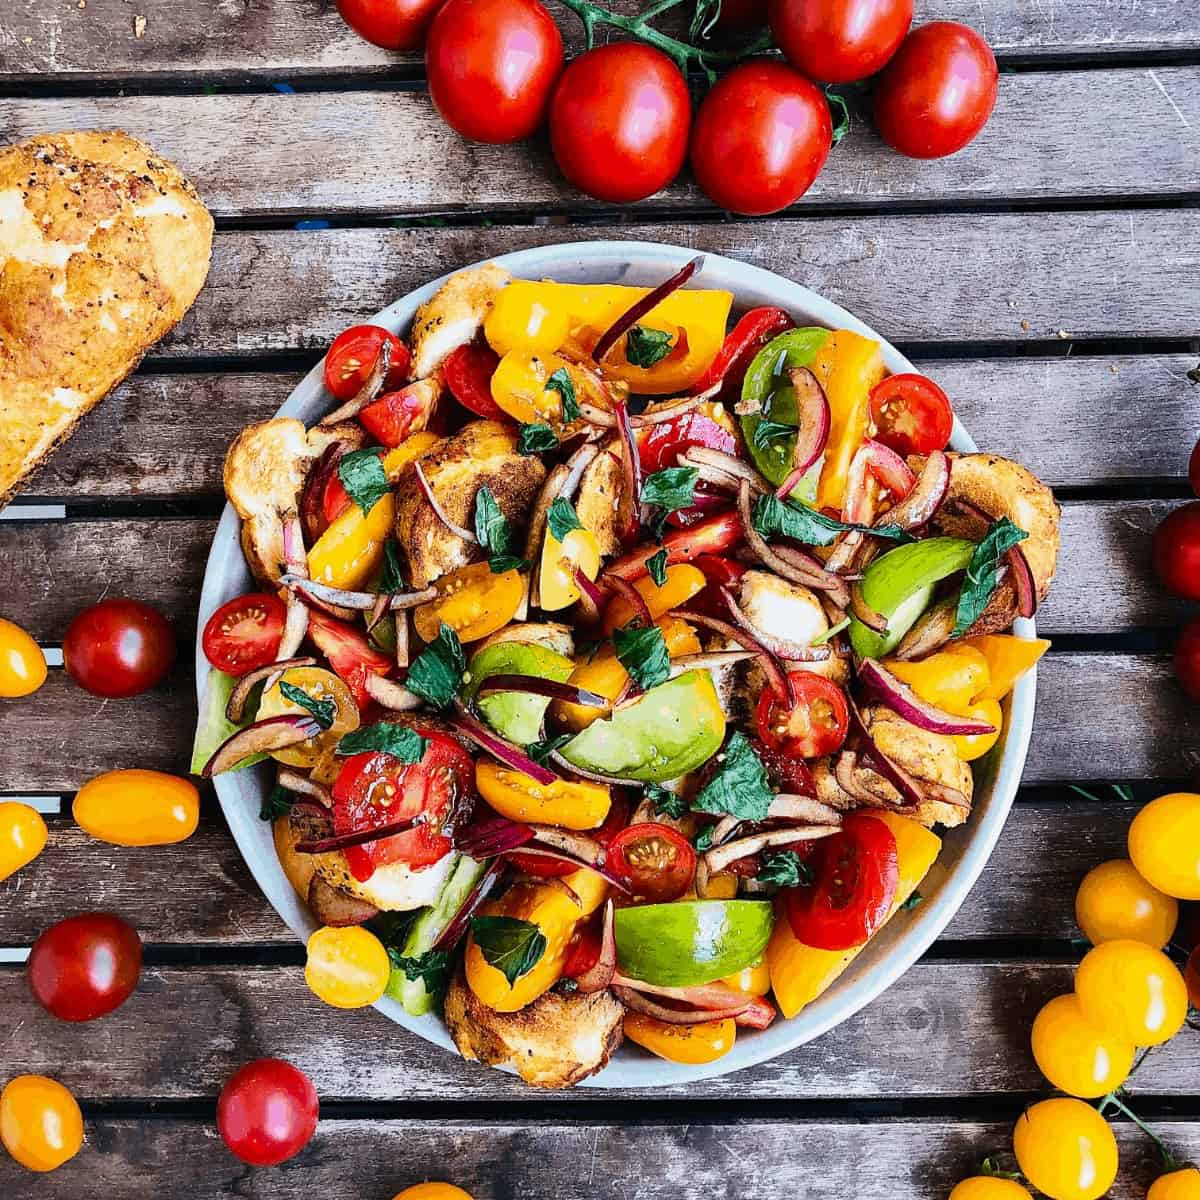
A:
(1076, 1056)
(1164, 843)
(989, 1187)
(473, 601)
(22, 663)
(1066, 1149)
(137, 808)
(754, 980)
(40, 1122)
(347, 967)
(22, 836)
(691, 1044)
(1132, 991)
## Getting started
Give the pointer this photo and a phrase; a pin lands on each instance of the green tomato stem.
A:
(1170, 1163)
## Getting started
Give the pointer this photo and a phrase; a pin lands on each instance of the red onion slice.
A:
(343, 841)
(813, 421)
(536, 686)
(880, 684)
(719, 857)
(438, 510)
(864, 612)
(591, 598)
(295, 624)
(272, 733)
(357, 601)
(700, 995)
(366, 393)
(457, 925)
(919, 506)
(491, 836)
(639, 1002)
(235, 708)
(538, 851)
(630, 317)
(600, 974)
(1022, 580)
(632, 597)
(933, 629)
(629, 505)
(498, 748)
(312, 495)
(787, 806)
(776, 676)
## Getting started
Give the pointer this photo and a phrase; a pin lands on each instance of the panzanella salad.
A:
(617, 659)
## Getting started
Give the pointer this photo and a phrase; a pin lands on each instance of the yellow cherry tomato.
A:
(1164, 843)
(691, 1044)
(474, 601)
(347, 967)
(971, 746)
(951, 679)
(1076, 1056)
(754, 980)
(320, 685)
(22, 663)
(1114, 901)
(573, 804)
(556, 581)
(682, 583)
(22, 836)
(1132, 991)
(434, 1191)
(1183, 1184)
(989, 1187)
(1008, 658)
(137, 808)
(40, 1122)
(1066, 1149)
(350, 551)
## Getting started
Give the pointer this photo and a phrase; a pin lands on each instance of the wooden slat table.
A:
(1046, 276)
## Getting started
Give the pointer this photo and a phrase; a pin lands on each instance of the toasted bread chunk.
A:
(453, 316)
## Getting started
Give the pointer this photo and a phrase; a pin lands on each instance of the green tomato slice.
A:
(516, 716)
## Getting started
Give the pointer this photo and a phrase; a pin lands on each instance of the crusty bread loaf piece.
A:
(103, 247)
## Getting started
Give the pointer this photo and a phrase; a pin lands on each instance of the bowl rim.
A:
(908, 934)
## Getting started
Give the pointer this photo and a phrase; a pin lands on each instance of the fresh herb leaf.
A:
(913, 900)
(540, 752)
(831, 632)
(276, 803)
(739, 787)
(983, 572)
(399, 741)
(785, 869)
(775, 518)
(391, 578)
(562, 383)
(509, 944)
(766, 432)
(534, 439)
(323, 711)
(656, 564)
(643, 653)
(645, 347)
(562, 519)
(363, 477)
(671, 488)
(431, 968)
(507, 562)
(495, 534)
(436, 674)
(704, 839)
(666, 803)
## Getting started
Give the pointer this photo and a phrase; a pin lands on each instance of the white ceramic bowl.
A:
(966, 849)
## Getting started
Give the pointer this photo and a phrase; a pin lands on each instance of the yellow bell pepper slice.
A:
(349, 552)
(800, 973)
(413, 446)
(573, 804)
(1008, 658)
(682, 583)
(694, 1045)
(556, 582)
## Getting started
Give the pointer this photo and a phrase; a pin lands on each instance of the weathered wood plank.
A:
(294, 38)
(1100, 716)
(320, 152)
(130, 446)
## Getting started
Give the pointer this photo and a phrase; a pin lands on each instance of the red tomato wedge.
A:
(813, 726)
(912, 413)
(661, 445)
(350, 655)
(390, 419)
(244, 633)
(718, 573)
(352, 357)
(741, 344)
(468, 372)
(657, 862)
(713, 535)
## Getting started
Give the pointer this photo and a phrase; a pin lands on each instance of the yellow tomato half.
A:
(682, 583)
(754, 980)
(22, 663)
(347, 967)
(1183, 1184)
(349, 552)
(40, 1122)
(22, 836)
(1008, 658)
(1074, 1055)
(573, 804)
(320, 685)
(473, 601)
(1114, 901)
(1066, 1149)
(971, 746)
(989, 1187)
(137, 808)
(1132, 991)
(434, 1191)
(556, 581)
(691, 1044)
(529, 385)
(1164, 843)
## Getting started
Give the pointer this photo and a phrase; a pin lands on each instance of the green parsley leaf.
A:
(363, 477)
(540, 752)
(671, 488)
(643, 653)
(391, 578)
(276, 803)
(983, 572)
(534, 439)
(656, 564)
(399, 741)
(562, 519)
(739, 788)
(323, 711)
(494, 533)
(431, 968)
(436, 674)
(766, 432)
(509, 944)
(785, 869)
(645, 347)
(775, 518)
(562, 383)
(703, 840)
(666, 803)
(915, 899)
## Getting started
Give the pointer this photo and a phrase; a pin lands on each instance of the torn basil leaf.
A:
(739, 787)
(656, 564)
(363, 477)
(437, 673)
(983, 572)
(642, 651)
(562, 519)
(776, 518)
(645, 347)
(399, 741)
(323, 711)
(562, 383)
(509, 944)
(536, 439)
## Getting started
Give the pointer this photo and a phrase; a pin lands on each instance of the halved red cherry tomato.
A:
(741, 344)
(244, 633)
(713, 535)
(661, 445)
(719, 573)
(350, 655)
(814, 725)
(657, 862)
(352, 357)
(913, 414)
(375, 789)
(585, 953)
(785, 772)
(468, 371)
(391, 418)
(855, 876)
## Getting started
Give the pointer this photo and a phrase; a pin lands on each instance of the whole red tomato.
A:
(491, 65)
(392, 24)
(839, 41)
(118, 648)
(85, 966)
(1194, 469)
(1187, 659)
(1177, 550)
(761, 137)
(619, 122)
(267, 1112)
(938, 92)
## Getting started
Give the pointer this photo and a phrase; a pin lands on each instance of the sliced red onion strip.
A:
(492, 836)
(235, 708)
(272, 733)
(639, 1002)
(874, 758)
(600, 974)
(629, 504)
(817, 577)
(536, 686)
(591, 598)
(845, 768)
(295, 624)
(357, 601)
(366, 393)
(726, 464)
(933, 629)
(313, 493)
(776, 675)
(632, 597)
(343, 841)
(919, 506)
(539, 851)
(719, 857)
(497, 747)
(880, 684)
(1022, 580)
(630, 317)
(709, 660)
(438, 510)
(457, 925)
(787, 806)
(813, 421)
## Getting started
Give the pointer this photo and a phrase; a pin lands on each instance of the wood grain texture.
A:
(1073, 421)
(320, 152)
(292, 38)
(1024, 891)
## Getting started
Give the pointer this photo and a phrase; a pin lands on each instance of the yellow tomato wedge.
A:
(349, 552)
(800, 973)
(413, 446)
(573, 804)
(971, 746)
(682, 583)
(1008, 658)
(319, 684)
(754, 980)
(474, 601)
(556, 582)
(529, 386)
(691, 1044)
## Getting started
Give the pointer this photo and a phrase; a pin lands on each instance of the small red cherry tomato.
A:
(661, 445)
(353, 355)
(539, 867)
(657, 862)
(719, 573)
(1177, 550)
(1187, 659)
(912, 413)
(85, 966)
(390, 419)
(491, 65)
(619, 122)
(350, 654)
(813, 726)
(334, 499)
(839, 41)
(468, 372)
(713, 535)
(855, 877)
(118, 648)
(392, 24)
(584, 954)
(267, 1112)
(752, 332)
(244, 633)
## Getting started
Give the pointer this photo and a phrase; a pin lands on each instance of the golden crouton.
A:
(550, 634)
(600, 497)
(453, 316)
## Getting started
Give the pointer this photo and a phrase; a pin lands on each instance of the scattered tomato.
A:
(137, 808)
(712, 536)
(1066, 1149)
(40, 1122)
(912, 413)
(353, 355)
(656, 861)
(1132, 991)
(584, 953)
(938, 91)
(85, 966)
(244, 633)
(989, 1187)
(839, 41)
(434, 1191)
(813, 725)
(347, 967)
(474, 601)
(718, 573)
(1164, 843)
(22, 663)
(691, 1044)
(619, 121)
(350, 654)
(568, 803)
(491, 66)
(389, 420)
(317, 684)
(118, 648)
(1187, 659)
(1181, 1184)
(468, 372)
(1176, 550)
(392, 24)
(761, 136)
(1115, 902)
(267, 1112)
(1074, 1055)
(22, 836)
